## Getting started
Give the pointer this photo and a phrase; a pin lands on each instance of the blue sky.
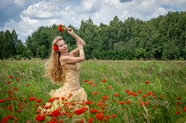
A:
(25, 16)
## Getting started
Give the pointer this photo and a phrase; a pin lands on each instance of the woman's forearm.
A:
(78, 38)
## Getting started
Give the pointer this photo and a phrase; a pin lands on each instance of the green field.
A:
(129, 91)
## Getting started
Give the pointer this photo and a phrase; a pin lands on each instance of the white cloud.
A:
(42, 13)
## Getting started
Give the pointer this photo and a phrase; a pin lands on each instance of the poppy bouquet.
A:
(61, 28)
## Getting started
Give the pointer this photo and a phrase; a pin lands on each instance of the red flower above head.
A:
(61, 28)
(55, 48)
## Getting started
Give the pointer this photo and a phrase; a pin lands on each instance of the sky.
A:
(25, 16)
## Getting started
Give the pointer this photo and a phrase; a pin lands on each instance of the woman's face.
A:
(62, 47)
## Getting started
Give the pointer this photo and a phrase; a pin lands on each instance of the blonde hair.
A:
(53, 66)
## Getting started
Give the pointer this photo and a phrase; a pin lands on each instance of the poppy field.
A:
(118, 92)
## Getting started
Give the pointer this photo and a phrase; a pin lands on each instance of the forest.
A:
(161, 38)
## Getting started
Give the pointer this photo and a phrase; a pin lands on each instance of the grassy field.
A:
(118, 91)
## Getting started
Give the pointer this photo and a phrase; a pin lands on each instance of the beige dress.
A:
(70, 91)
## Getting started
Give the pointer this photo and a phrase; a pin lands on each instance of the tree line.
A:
(161, 38)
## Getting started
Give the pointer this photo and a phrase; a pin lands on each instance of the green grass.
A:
(166, 89)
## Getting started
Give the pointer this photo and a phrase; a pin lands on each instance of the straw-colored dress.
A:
(71, 91)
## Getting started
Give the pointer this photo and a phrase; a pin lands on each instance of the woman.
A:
(63, 67)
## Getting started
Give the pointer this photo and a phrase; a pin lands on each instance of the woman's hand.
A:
(70, 31)
(80, 45)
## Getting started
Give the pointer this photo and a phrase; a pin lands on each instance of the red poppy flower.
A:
(113, 116)
(5, 119)
(105, 97)
(27, 85)
(55, 48)
(61, 28)
(90, 120)
(88, 102)
(184, 109)
(109, 87)
(141, 103)
(147, 82)
(107, 117)
(94, 111)
(147, 103)
(140, 91)
(178, 112)
(48, 106)
(128, 102)
(2, 101)
(38, 100)
(17, 79)
(99, 104)
(81, 110)
(127, 91)
(121, 102)
(32, 98)
(144, 96)
(116, 95)
(11, 77)
(149, 93)
(104, 80)
(51, 100)
(56, 112)
(95, 93)
(179, 103)
(40, 117)
(100, 117)
(15, 89)
(8, 83)
(85, 80)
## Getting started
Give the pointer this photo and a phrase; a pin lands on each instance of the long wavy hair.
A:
(53, 66)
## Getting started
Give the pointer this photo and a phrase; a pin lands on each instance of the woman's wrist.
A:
(81, 52)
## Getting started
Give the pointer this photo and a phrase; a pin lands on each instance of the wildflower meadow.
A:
(118, 92)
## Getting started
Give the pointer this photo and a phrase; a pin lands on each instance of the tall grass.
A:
(133, 91)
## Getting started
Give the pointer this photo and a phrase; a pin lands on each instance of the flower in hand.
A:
(61, 28)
